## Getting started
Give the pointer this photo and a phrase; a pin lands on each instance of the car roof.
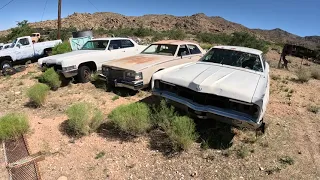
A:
(109, 38)
(174, 42)
(239, 48)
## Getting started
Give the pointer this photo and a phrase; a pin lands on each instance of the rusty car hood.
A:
(218, 79)
(139, 62)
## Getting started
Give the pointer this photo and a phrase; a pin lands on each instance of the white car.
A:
(23, 49)
(91, 56)
(229, 84)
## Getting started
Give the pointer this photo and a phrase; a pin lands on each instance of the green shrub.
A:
(248, 40)
(51, 78)
(61, 48)
(206, 46)
(303, 75)
(13, 125)
(314, 109)
(212, 38)
(83, 119)
(163, 115)
(38, 94)
(315, 72)
(182, 132)
(176, 34)
(133, 118)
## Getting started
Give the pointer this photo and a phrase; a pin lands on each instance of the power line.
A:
(45, 5)
(6, 4)
(93, 5)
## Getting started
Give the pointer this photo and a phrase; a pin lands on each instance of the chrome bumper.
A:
(68, 74)
(134, 85)
(208, 112)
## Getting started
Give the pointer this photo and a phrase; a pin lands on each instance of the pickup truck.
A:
(229, 84)
(90, 57)
(6, 46)
(22, 49)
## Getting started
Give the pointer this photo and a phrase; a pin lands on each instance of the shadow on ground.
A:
(123, 92)
(107, 130)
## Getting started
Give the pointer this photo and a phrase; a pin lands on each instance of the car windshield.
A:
(95, 45)
(161, 49)
(233, 58)
(13, 43)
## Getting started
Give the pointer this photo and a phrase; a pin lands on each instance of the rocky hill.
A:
(194, 24)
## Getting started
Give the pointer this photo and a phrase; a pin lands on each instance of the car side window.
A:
(126, 43)
(183, 50)
(24, 42)
(114, 44)
(194, 49)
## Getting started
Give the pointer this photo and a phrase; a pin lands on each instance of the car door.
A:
(24, 49)
(115, 50)
(128, 48)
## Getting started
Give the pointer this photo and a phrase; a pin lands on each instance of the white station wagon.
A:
(229, 84)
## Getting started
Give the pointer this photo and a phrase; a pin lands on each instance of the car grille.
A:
(207, 99)
(116, 74)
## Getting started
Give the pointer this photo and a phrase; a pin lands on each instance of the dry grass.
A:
(315, 72)
(303, 75)
(13, 125)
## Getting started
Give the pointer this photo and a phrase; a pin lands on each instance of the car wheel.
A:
(5, 64)
(84, 74)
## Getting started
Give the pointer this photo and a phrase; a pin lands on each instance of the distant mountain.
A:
(195, 24)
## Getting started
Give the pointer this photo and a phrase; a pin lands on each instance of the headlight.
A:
(69, 68)
(105, 70)
(133, 75)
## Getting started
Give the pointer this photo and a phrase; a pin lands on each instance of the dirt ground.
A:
(290, 148)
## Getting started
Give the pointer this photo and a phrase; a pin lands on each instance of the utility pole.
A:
(59, 18)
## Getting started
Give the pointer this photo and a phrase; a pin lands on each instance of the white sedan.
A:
(229, 84)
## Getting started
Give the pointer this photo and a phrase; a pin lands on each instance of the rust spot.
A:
(136, 60)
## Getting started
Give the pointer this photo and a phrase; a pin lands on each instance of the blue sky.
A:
(301, 17)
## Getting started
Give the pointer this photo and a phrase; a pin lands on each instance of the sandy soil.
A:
(292, 132)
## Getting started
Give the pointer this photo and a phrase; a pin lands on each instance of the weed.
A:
(242, 152)
(115, 97)
(38, 94)
(100, 155)
(288, 95)
(163, 115)
(315, 72)
(182, 132)
(20, 83)
(314, 109)
(132, 118)
(303, 75)
(13, 125)
(61, 48)
(51, 78)
(286, 160)
(227, 153)
(273, 170)
(94, 76)
(291, 91)
(83, 118)
(275, 77)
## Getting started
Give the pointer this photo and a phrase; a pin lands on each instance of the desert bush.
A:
(303, 75)
(176, 34)
(61, 48)
(38, 94)
(83, 119)
(133, 118)
(182, 132)
(248, 40)
(13, 125)
(214, 38)
(51, 78)
(163, 115)
(206, 46)
(314, 109)
(315, 72)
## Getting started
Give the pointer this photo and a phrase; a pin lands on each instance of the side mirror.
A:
(18, 45)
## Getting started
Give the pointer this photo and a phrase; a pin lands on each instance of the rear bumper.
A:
(209, 112)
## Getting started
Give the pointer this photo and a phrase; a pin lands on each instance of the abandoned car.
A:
(89, 58)
(229, 84)
(135, 72)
